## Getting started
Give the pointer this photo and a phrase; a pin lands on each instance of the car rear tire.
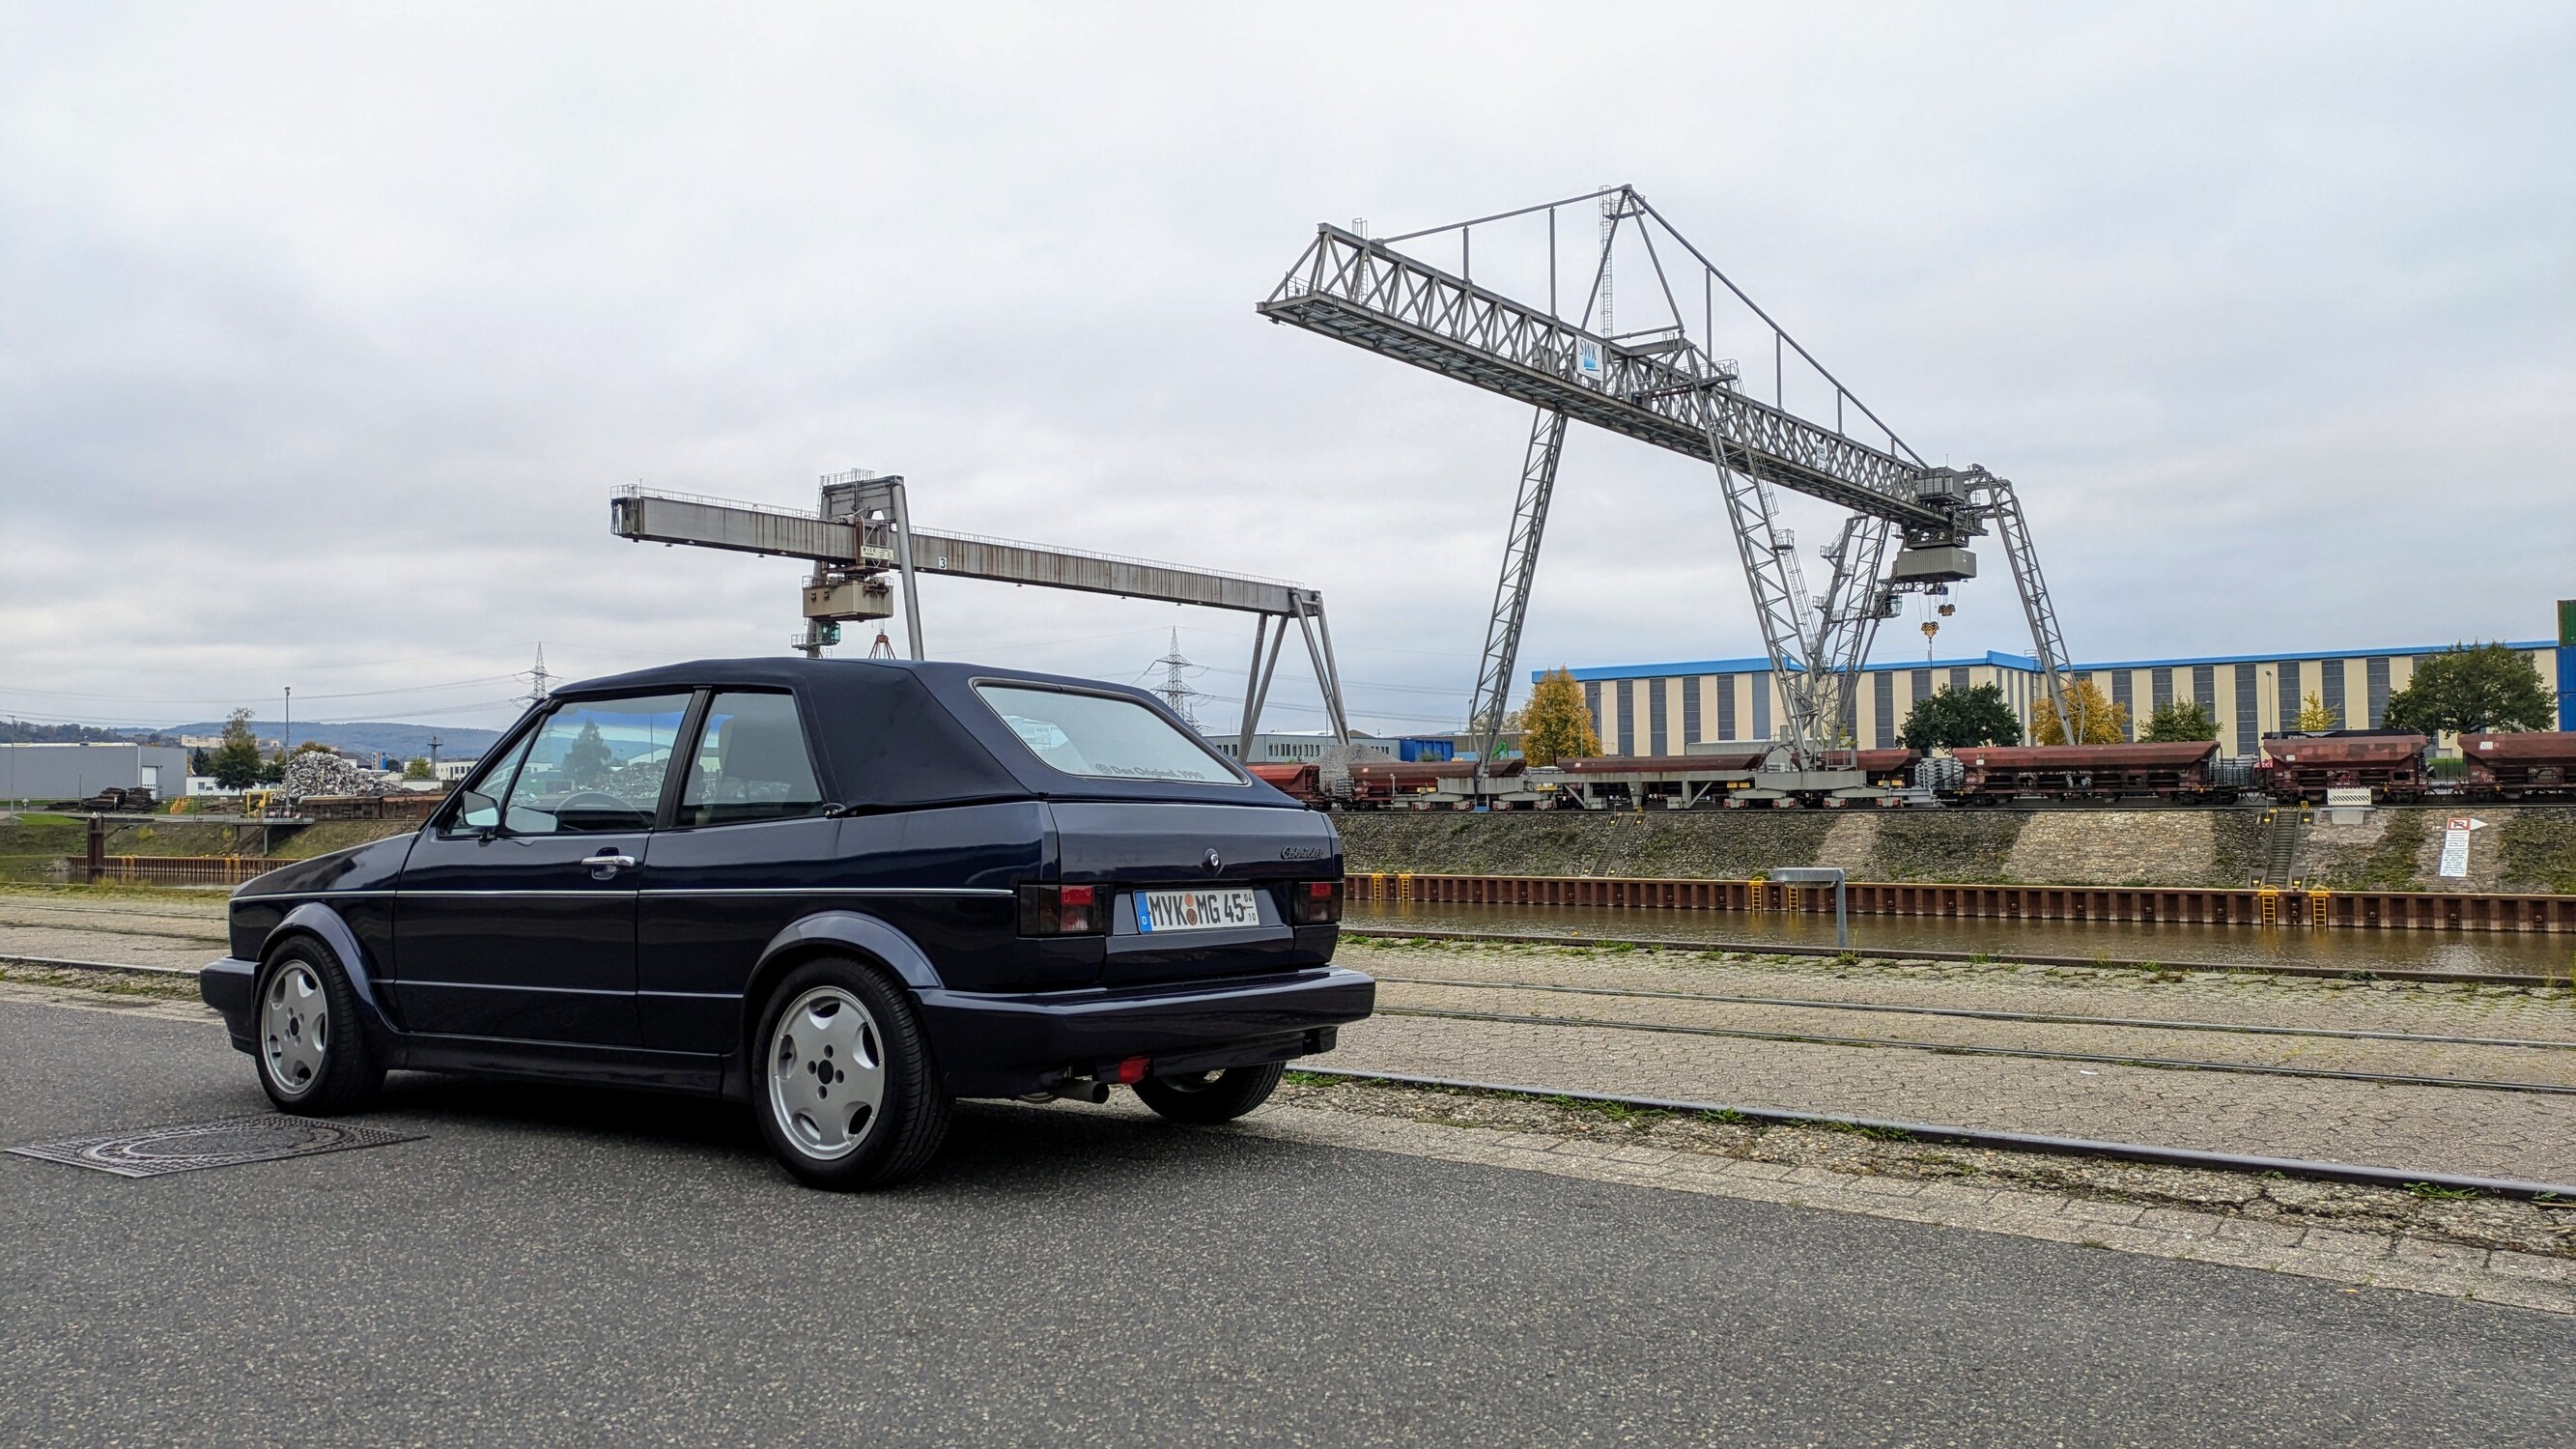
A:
(312, 1052)
(843, 1082)
(1204, 1099)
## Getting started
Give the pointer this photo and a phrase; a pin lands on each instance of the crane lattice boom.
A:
(1667, 385)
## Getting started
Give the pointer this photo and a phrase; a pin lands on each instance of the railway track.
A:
(1976, 1014)
(2183, 1064)
(2315, 1168)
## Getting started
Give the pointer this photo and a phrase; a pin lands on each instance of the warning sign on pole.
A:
(2455, 845)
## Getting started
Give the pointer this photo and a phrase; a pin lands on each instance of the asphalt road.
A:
(561, 1266)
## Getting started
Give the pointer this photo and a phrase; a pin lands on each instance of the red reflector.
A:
(1075, 895)
(1319, 889)
(1131, 1071)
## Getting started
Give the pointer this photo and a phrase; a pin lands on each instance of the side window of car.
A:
(596, 765)
(751, 764)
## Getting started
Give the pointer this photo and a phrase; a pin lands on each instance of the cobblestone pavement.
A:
(2418, 1128)
(2361, 1259)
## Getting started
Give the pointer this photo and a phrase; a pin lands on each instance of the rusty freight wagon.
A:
(2387, 763)
(2179, 771)
(1302, 783)
(2529, 765)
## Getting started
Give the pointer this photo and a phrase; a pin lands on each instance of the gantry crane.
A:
(1666, 384)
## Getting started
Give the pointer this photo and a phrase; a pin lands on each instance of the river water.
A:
(2467, 952)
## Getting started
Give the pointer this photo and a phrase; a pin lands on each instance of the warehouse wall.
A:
(1663, 709)
(69, 772)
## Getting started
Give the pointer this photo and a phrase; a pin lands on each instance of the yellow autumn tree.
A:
(1556, 724)
(2105, 723)
(2316, 719)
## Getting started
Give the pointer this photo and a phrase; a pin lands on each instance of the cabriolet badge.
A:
(1301, 852)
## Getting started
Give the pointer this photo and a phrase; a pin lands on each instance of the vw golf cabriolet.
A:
(845, 892)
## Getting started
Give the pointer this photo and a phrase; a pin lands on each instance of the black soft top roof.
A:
(897, 734)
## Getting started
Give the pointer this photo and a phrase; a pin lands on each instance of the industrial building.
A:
(77, 771)
(1305, 749)
(1663, 709)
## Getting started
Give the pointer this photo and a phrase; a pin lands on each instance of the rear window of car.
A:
(1103, 736)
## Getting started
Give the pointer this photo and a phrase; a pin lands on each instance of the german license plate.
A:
(1158, 911)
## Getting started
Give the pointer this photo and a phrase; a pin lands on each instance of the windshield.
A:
(1103, 736)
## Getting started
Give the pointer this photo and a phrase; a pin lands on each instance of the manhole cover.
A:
(152, 1151)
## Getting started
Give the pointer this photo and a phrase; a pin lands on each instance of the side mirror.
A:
(476, 811)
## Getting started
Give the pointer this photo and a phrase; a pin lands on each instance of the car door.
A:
(516, 914)
(749, 849)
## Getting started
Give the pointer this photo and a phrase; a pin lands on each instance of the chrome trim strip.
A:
(606, 889)
(431, 984)
(974, 891)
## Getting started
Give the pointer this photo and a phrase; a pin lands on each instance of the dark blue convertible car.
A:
(845, 892)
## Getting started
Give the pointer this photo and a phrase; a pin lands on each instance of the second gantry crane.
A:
(1666, 384)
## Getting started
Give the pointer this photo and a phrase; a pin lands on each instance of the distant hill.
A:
(402, 741)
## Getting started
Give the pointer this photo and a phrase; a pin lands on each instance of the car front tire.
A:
(312, 1052)
(843, 1083)
(1204, 1099)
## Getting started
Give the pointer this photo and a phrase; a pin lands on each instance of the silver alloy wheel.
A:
(826, 1072)
(294, 1028)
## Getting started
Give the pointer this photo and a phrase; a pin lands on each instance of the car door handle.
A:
(606, 865)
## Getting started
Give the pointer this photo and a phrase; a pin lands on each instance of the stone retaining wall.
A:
(2105, 848)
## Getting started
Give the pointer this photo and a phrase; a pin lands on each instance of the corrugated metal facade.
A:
(1732, 700)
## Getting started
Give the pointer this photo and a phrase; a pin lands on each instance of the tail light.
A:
(1062, 910)
(1314, 902)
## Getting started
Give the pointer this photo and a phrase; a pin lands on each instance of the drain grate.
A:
(153, 1151)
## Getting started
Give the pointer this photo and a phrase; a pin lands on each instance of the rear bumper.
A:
(992, 1045)
(232, 988)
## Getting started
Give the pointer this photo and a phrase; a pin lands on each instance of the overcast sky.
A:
(325, 333)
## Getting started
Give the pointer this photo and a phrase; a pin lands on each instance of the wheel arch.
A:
(317, 922)
(829, 933)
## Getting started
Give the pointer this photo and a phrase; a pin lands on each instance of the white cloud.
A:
(329, 332)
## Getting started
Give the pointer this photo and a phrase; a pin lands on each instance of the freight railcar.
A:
(2527, 765)
(1302, 783)
(1420, 785)
(2388, 763)
(2178, 771)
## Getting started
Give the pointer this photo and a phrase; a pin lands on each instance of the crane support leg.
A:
(1512, 588)
(1847, 619)
(1256, 685)
(2047, 639)
(1319, 650)
(1770, 566)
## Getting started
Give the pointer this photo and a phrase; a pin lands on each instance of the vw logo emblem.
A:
(1214, 862)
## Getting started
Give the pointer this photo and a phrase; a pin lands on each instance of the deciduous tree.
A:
(235, 761)
(2179, 720)
(1556, 725)
(1956, 719)
(2105, 723)
(2471, 689)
